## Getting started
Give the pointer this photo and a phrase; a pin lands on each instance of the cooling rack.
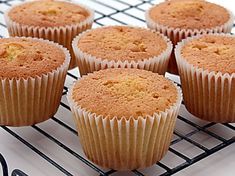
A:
(53, 148)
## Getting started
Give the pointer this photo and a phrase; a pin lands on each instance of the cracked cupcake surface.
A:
(24, 57)
(124, 93)
(189, 14)
(211, 52)
(11, 51)
(48, 13)
(121, 43)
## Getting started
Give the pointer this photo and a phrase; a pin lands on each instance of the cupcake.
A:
(207, 70)
(57, 21)
(32, 75)
(121, 47)
(179, 19)
(125, 117)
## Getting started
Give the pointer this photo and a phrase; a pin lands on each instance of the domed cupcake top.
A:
(120, 43)
(211, 52)
(189, 14)
(25, 57)
(48, 13)
(124, 93)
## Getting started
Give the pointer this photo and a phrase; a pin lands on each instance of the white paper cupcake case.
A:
(62, 34)
(88, 63)
(123, 144)
(34, 99)
(207, 95)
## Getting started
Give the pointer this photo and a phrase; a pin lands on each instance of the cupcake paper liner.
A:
(61, 34)
(88, 63)
(177, 34)
(125, 144)
(207, 95)
(27, 101)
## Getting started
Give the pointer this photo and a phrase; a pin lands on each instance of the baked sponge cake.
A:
(127, 121)
(59, 21)
(207, 69)
(179, 19)
(122, 46)
(32, 74)
(48, 13)
(189, 14)
(23, 58)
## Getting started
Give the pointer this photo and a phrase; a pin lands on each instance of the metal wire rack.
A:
(193, 139)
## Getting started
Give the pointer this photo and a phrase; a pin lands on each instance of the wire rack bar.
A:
(190, 134)
(64, 125)
(202, 129)
(37, 151)
(18, 172)
(68, 150)
(4, 165)
(199, 157)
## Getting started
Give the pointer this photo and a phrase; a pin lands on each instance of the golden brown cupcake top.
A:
(124, 93)
(23, 58)
(189, 14)
(122, 43)
(48, 13)
(211, 52)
